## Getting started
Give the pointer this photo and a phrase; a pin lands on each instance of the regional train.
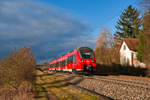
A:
(79, 60)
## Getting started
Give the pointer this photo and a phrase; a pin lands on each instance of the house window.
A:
(124, 47)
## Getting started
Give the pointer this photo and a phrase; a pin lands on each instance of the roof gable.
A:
(132, 43)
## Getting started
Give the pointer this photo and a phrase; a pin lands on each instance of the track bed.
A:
(127, 88)
(62, 86)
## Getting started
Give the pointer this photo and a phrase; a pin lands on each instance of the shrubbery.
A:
(17, 69)
(116, 69)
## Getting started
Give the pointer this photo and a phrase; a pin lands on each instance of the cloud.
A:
(49, 30)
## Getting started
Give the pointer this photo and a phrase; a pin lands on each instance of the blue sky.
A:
(97, 13)
(53, 27)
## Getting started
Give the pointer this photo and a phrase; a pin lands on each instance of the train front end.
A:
(87, 59)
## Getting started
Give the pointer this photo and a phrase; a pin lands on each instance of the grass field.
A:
(54, 87)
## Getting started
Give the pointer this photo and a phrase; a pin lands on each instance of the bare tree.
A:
(17, 67)
(146, 29)
(104, 49)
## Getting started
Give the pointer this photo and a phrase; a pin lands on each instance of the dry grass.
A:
(24, 92)
(57, 88)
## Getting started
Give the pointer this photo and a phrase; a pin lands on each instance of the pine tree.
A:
(141, 47)
(129, 24)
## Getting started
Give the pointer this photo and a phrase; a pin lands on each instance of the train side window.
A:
(74, 58)
(70, 59)
(60, 63)
(57, 64)
(63, 63)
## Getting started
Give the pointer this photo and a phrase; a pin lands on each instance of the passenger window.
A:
(70, 59)
(74, 58)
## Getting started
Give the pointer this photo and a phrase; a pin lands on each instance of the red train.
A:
(81, 59)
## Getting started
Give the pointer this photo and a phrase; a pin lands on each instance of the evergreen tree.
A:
(141, 47)
(129, 24)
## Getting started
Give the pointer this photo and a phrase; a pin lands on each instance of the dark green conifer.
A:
(141, 47)
(129, 24)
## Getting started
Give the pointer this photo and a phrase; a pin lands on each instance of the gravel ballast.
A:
(116, 91)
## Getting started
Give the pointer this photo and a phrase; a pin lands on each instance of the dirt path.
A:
(55, 87)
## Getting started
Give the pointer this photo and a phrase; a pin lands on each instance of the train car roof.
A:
(67, 54)
(63, 57)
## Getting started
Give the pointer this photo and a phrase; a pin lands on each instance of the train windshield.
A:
(86, 52)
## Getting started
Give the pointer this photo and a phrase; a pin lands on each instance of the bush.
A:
(17, 67)
(116, 69)
(24, 92)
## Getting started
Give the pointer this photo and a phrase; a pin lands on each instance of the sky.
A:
(54, 27)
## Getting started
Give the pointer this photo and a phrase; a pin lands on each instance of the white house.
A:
(128, 52)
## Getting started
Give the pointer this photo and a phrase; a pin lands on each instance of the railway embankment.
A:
(62, 86)
(114, 88)
(120, 89)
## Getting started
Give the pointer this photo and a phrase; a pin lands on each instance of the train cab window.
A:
(86, 52)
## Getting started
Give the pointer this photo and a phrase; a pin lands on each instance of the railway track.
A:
(107, 86)
(67, 77)
(125, 82)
